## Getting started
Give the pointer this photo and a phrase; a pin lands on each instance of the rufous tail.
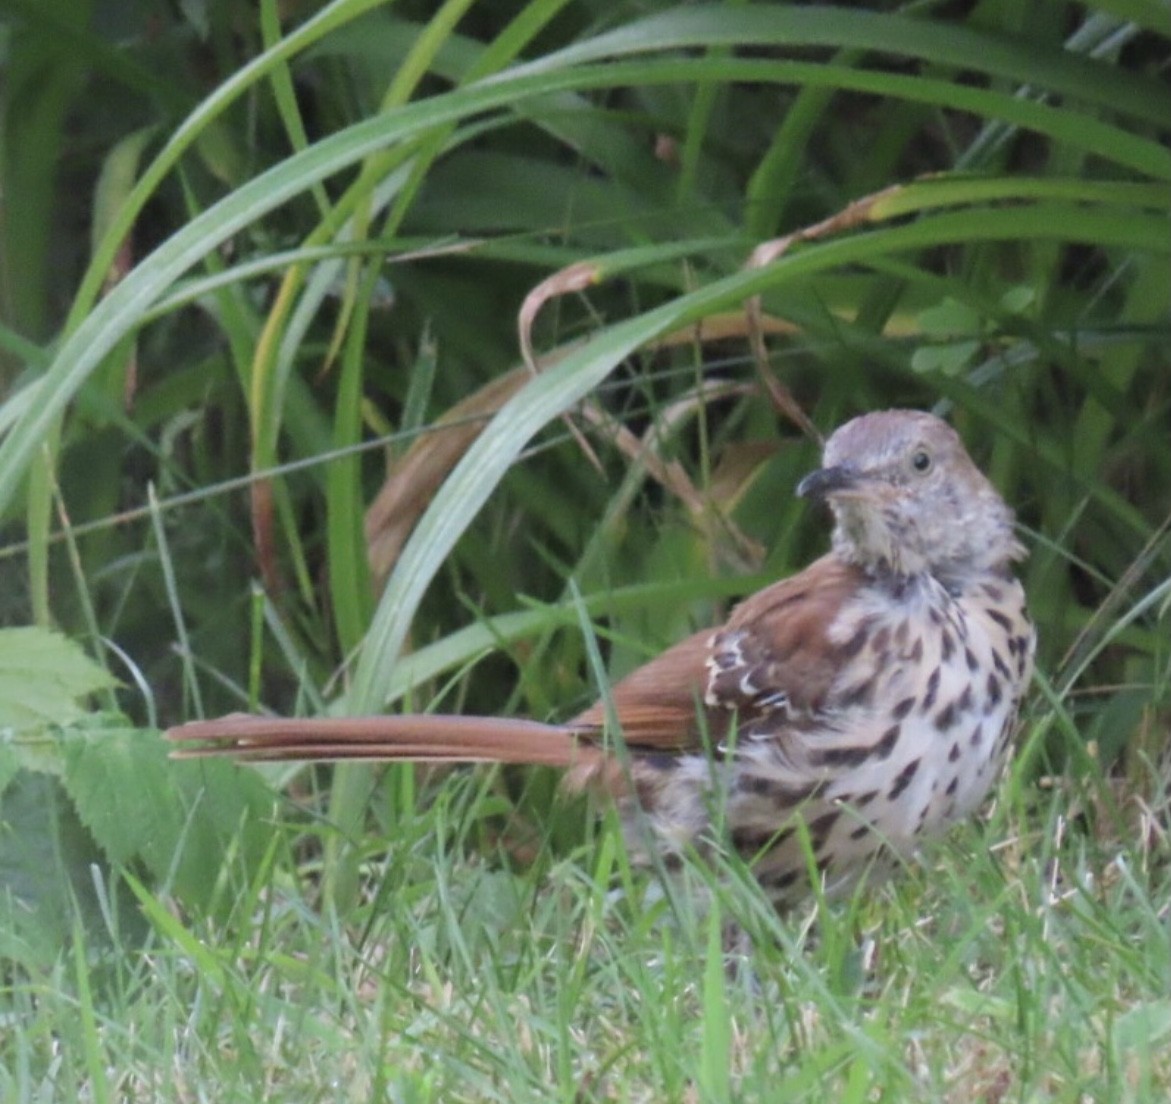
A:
(417, 737)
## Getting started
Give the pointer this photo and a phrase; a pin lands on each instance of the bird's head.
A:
(907, 499)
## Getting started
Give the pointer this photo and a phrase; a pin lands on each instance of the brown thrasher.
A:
(871, 697)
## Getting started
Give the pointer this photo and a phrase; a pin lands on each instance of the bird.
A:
(836, 719)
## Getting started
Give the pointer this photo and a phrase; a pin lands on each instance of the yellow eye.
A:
(921, 461)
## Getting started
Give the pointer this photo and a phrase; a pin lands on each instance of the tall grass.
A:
(269, 442)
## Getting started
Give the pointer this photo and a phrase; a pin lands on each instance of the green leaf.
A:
(944, 44)
(180, 820)
(48, 883)
(116, 181)
(123, 788)
(950, 319)
(1018, 299)
(42, 676)
(949, 359)
(945, 322)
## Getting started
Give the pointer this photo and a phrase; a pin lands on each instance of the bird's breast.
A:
(913, 732)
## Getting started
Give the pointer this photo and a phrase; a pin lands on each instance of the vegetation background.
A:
(267, 272)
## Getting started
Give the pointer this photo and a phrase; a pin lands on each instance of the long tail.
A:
(418, 737)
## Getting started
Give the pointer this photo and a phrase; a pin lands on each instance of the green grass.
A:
(1037, 970)
(259, 272)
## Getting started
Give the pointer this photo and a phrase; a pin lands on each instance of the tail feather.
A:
(407, 737)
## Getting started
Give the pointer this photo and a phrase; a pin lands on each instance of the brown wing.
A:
(772, 654)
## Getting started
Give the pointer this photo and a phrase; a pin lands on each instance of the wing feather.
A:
(774, 653)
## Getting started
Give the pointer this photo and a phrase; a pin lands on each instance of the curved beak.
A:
(820, 484)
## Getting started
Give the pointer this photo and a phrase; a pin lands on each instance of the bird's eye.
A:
(921, 461)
